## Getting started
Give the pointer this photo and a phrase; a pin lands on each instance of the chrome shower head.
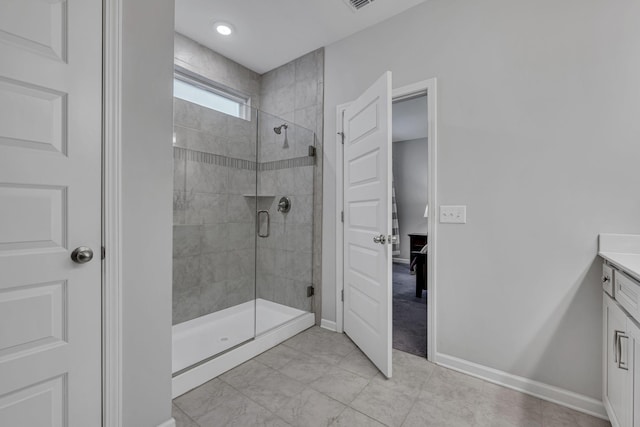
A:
(278, 129)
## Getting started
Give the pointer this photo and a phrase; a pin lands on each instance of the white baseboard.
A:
(329, 325)
(543, 391)
(209, 370)
(401, 261)
(169, 423)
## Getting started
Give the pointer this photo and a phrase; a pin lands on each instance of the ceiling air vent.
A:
(356, 5)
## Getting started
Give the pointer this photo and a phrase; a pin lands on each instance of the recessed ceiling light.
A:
(223, 28)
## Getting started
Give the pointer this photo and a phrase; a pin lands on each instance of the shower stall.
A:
(243, 237)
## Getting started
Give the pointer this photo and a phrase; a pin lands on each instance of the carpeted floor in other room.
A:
(409, 313)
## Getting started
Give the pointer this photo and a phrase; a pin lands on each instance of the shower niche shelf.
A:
(259, 195)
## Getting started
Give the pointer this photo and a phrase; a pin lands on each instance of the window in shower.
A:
(201, 91)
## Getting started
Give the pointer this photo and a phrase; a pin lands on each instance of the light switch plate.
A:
(453, 214)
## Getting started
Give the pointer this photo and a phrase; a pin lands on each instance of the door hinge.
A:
(342, 216)
(312, 151)
(342, 295)
(310, 291)
(103, 252)
(342, 137)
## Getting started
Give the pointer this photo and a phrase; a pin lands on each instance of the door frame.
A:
(112, 377)
(429, 87)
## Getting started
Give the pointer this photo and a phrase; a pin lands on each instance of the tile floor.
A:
(320, 378)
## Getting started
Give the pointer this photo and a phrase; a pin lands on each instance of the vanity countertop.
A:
(622, 250)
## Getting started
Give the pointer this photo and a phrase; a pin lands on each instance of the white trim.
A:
(339, 224)
(401, 261)
(328, 325)
(543, 391)
(209, 370)
(112, 220)
(169, 423)
(430, 87)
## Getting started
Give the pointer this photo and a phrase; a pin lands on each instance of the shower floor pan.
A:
(201, 338)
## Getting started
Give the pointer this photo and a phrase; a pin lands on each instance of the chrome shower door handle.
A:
(268, 224)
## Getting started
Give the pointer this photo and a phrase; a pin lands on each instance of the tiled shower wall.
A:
(295, 92)
(214, 221)
(214, 226)
(214, 165)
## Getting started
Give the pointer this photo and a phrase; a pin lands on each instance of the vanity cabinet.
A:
(621, 355)
(634, 376)
(617, 385)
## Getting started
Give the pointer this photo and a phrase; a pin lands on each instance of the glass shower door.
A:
(215, 169)
(284, 249)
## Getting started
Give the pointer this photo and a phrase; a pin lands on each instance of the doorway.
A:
(410, 223)
(345, 116)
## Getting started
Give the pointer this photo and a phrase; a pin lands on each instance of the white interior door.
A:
(50, 201)
(367, 223)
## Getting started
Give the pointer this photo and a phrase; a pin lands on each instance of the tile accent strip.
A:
(180, 153)
(287, 163)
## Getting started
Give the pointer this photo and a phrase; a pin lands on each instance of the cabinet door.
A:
(634, 369)
(617, 387)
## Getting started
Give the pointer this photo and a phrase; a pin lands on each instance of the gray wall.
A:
(538, 106)
(410, 173)
(214, 221)
(146, 124)
(295, 93)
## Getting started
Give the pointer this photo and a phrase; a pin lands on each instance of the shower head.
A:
(278, 129)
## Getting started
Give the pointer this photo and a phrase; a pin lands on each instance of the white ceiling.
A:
(270, 33)
(410, 119)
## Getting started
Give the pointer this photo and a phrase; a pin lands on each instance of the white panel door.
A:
(367, 223)
(50, 203)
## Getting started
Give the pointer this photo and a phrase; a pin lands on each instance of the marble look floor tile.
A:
(182, 419)
(409, 373)
(401, 358)
(558, 416)
(503, 407)
(358, 363)
(326, 345)
(273, 391)
(340, 385)
(353, 418)
(306, 369)
(494, 393)
(205, 398)
(454, 392)
(384, 404)
(507, 416)
(240, 411)
(424, 415)
(311, 409)
(279, 357)
(246, 374)
(289, 386)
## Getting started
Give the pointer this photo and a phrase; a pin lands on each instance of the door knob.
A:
(382, 239)
(82, 255)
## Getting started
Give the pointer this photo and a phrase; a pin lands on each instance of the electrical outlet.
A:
(453, 214)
